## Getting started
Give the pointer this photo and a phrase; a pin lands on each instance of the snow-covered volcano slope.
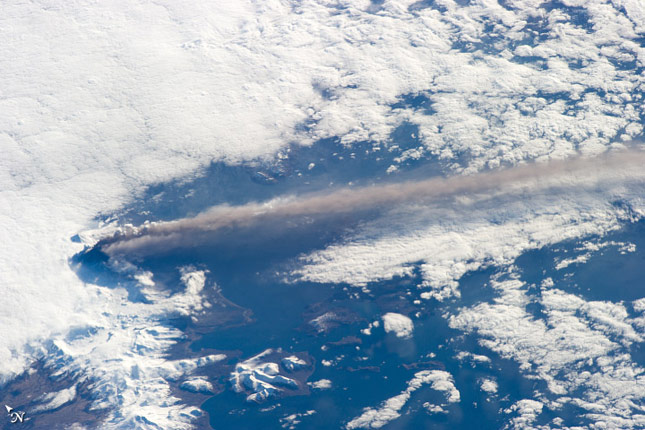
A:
(100, 100)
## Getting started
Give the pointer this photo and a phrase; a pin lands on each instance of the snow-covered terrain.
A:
(262, 379)
(101, 100)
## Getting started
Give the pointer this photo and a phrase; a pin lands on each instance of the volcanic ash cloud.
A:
(581, 172)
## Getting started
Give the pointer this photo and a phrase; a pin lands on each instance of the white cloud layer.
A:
(100, 99)
(580, 349)
(450, 239)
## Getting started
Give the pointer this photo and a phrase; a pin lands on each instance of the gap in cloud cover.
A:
(325, 164)
(105, 99)
(277, 245)
(581, 377)
(605, 268)
(613, 170)
(243, 263)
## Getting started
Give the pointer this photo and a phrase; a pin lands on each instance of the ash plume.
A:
(582, 172)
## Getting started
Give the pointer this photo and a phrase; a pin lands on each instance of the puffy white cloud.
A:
(390, 409)
(475, 358)
(488, 385)
(580, 347)
(291, 421)
(100, 100)
(526, 412)
(321, 384)
(398, 324)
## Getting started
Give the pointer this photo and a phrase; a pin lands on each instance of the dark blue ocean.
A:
(268, 309)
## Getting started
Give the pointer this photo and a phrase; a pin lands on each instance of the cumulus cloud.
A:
(488, 386)
(321, 384)
(580, 350)
(373, 418)
(526, 412)
(398, 324)
(101, 100)
(291, 421)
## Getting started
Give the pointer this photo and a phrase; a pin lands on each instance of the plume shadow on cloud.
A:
(343, 204)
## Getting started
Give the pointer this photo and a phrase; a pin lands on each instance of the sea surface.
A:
(260, 306)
